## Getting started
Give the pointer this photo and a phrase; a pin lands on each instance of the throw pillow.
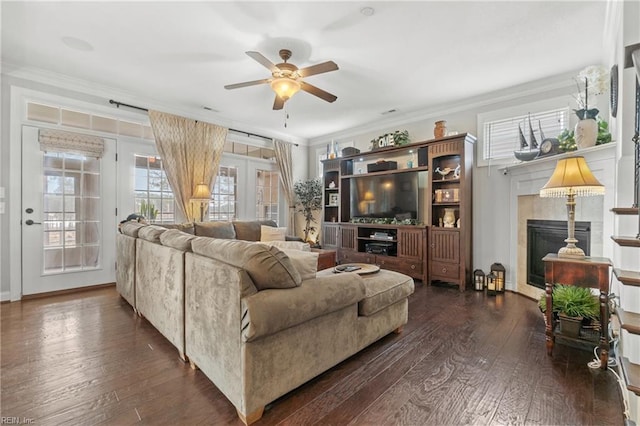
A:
(289, 245)
(305, 262)
(269, 233)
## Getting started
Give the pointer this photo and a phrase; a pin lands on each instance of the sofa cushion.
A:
(382, 289)
(184, 227)
(271, 233)
(268, 267)
(250, 230)
(177, 239)
(305, 262)
(131, 228)
(151, 233)
(270, 311)
(215, 230)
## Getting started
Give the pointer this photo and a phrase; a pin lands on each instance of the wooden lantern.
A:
(478, 279)
(500, 273)
(491, 283)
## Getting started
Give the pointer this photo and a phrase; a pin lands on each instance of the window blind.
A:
(502, 137)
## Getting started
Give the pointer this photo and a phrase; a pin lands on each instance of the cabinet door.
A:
(330, 235)
(444, 245)
(411, 243)
(348, 237)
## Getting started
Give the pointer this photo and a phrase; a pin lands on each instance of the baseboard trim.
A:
(5, 297)
(71, 290)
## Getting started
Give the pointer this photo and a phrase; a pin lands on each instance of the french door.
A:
(68, 217)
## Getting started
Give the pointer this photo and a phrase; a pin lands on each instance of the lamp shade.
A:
(572, 177)
(285, 87)
(201, 193)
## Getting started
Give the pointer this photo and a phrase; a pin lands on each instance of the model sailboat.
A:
(528, 150)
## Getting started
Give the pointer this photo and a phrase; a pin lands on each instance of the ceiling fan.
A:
(286, 78)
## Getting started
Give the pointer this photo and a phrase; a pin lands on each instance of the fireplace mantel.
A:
(526, 179)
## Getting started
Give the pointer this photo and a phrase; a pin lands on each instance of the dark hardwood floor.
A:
(463, 358)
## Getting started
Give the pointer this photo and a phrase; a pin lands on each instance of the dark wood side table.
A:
(326, 258)
(592, 272)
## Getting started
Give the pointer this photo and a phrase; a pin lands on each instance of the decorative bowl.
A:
(526, 155)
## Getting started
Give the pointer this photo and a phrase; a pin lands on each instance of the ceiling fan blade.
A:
(259, 57)
(318, 69)
(317, 92)
(278, 103)
(247, 83)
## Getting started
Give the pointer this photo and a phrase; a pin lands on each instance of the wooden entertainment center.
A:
(369, 216)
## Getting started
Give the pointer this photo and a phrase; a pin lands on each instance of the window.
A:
(71, 207)
(267, 195)
(153, 196)
(499, 129)
(224, 197)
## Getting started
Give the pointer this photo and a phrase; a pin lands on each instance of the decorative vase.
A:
(440, 130)
(586, 133)
(449, 218)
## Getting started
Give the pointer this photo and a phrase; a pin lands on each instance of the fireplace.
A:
(547, 236)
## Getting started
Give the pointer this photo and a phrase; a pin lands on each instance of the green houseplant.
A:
(309, 199)
(572, 305)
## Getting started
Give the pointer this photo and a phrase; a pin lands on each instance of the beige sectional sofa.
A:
(257, 320)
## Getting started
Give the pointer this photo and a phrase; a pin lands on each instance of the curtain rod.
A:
(119, 104)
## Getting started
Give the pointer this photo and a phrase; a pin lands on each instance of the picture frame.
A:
(333, 199)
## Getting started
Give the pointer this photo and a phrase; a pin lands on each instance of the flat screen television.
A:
(392, 196)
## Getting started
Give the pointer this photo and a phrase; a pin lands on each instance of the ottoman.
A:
(384, 307)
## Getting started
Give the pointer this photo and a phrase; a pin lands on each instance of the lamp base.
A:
(571, 251)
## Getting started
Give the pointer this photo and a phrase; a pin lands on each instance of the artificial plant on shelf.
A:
(309, 200)
(568, 141)
(595, 82)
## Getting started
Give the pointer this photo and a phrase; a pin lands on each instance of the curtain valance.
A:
(52, 140)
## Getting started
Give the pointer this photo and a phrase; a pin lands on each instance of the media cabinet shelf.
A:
(386, 172)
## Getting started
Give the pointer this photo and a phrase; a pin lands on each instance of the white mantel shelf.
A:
(554, 158)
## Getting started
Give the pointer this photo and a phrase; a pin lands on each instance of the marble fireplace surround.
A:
(527, 178)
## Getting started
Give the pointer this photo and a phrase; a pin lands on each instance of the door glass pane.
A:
(223, 206)
(71, 222)
(153, 197)
(267, 195)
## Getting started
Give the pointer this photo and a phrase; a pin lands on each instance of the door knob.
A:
(30, 222)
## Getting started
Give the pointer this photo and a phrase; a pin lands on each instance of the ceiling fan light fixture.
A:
(285, 88)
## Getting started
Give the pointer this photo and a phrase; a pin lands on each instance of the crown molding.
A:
(556, 82)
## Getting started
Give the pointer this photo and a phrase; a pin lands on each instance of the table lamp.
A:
(202, 195)
(572, 178)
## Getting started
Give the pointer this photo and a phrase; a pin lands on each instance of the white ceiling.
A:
(407, 56)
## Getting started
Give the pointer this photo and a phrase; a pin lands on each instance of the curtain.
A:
(60, 141)
(285, 166)
(191, 152)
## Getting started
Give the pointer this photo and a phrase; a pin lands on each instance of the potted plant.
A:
(309, 199)
(572, 305)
